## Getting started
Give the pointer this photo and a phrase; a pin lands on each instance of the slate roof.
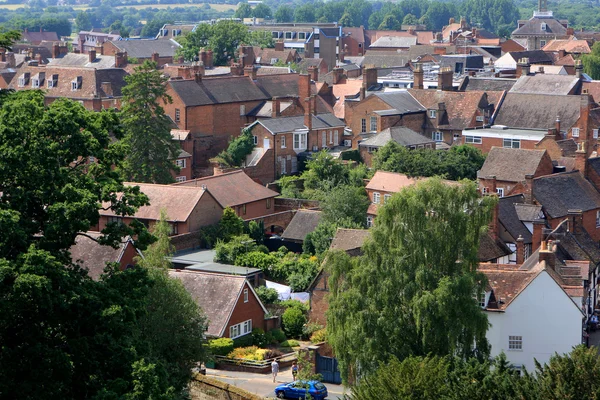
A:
(82, 60)
(303, 223)
(528, 212)
(534, 56)
(232, 188)
(510, 165)
(546, 84)
(303, 65)
(349, 239)
(37, 37)
(537, 111)
(533, 27)
(394, 42)
(490, 249)
(402, 101)
(508, 216)
(399, 134)
(559, 193)
(217, 91)
(470, 83)
(594, 163)
(216, 294)
(178, 201)
(145, 48)
(380, 59)
(266, 55)
(289, 124)
(93, 256)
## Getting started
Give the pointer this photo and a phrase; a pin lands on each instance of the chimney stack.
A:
(493, 228)
(523, 67)
(451, 21)
(250, 71)
(578, 69)
(120, 60)
(10, 60)
(528, 189)
(55, 50)
(39, 59)
(520, 250)
(538, 233)
(100, 49)
(279, 45)
(585, 106)
(581, 159)
(369, 77)
(202, 56)
(198, 76)
(209, 59)
(445, 76)
(463, 23)
(557, 128)
(546, 253)
(304, 86)
(575, 219)
(338, 74)
(92, 56)
(313, 71)
(247, 55)
(307, 115)
(180, 60)
(418, 76)
(155, 58)
(276, 107)
(2, 54)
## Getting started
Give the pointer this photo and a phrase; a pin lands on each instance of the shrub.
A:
(290, 343)
(243, 341)
(278, 335)
(248, 353)
(257, 259)
(228, 252)
(267, 295)
(220, 347)
(272, 353)
(295, 304)
(310, 328)
(319, 336)
(259, 338)
(293, 319)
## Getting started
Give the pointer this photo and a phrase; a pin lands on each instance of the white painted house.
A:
(531, 315)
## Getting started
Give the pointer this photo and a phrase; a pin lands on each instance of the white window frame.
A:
(336, 137)
(473, 139)
(369, 221)
(283, 142)
(324, 139)
(432, 114)
(542, 43)
(544, 26)
(437, 136)
(515, 343)
(35, 83)
(595, 133)
(290, 34)
(363, 125)
(180, 163)
(242, 110)
(376, 197)
(177, 115)
(575, 132)
(21, 82)
(247, 327)
(373, 124)
(241, 329)
(255, 139)
(302, 35)
(245, 295)
(51, 83)
(508, 143)
(74, 86)
(481, 300)
(180, 179)
(479, 118)
(330, 137)
(500, 192)
(386, 197)
(234, 331)
(300, 140)
(597, 219)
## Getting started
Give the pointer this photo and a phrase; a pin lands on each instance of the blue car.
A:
(297, 390)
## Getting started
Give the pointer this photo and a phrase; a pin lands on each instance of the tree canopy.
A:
(223, 38)
(412, 293)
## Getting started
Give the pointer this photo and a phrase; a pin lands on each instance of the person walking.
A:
(274, 368)
(294, 370)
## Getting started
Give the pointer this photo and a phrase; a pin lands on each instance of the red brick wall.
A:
(589, 223)
(206, 212)
(128, 255)
(245, 311)
(256, 208)
(549, 144)
(351, 45)
(594, 178)
(318, 299)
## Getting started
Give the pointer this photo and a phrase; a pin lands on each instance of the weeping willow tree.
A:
(413, 292)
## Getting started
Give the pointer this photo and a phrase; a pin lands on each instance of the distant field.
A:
(216, 7)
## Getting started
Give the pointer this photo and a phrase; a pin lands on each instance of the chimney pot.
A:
(92, 56)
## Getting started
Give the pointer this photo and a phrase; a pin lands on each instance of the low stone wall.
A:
(206, 388)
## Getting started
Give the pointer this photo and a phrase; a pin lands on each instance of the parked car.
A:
(297, 390)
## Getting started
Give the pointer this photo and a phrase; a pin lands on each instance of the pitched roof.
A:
(496, 84)
(507, 284)
(534, 56)
(93, 256)
(399, 134)
(37, 37)
(394, 42)
(178, 201)
(545, 84)
(83, 60)
(146, 47)
(217, 90)
(380, 59)
(508, 216)
(401, 101)
(179, 134)
(303, 65)
(349, 239)
(303, 223)
(559, 193)
(232, 188)
(490, 249)
(533, 26)
(216, 294)
(511, 164)
(267, 55)
(568, 45)
(390, 181)
(289, 124)
(537, 111)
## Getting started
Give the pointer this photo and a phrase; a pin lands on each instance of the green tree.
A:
(323, 171)
(390, 23)
(345, 20)
(284, 13)
(230, 224)
(223, 38)
(293, 319)
(8, 38)
(262, 11)
(237, 150)
(304, 13)
(152, 27)
(243, 11)
(345, 206)
(262, 39)
(118, 26)
(82, 21)
(591, 62)
(415, 282)
(150, 148)
(267, 295)
(410, 19)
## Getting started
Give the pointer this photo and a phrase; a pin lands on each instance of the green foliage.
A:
(223, 38)
(318, 241)
(228, 252)
(230, 224)
(262, 39)
(591, 62)
(260, 338)
(345, 206)
(221, 346)
(158, 253)
(252, 353)
(82, 21)
(460, 162)
(244, 10)
(420, 269)
(243, 341)
(390, 22)
(323, 171)
(267, 295)
(297, 270)
(319, 336)
(148, 143)
(7, 39)
(409, 19)
(293, 319)
(257, 259)
(290, 343)
(209, 235)
(310, 328)
(237, 150)
(256, 230)
(284, 14)
(295, 304)
(278, 335)
(288, 187)
(262, 11)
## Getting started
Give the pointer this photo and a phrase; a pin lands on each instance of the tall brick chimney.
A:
(581, 158)
(250, 71)
(276, 107)
(369, 77)
(463, 23)
(304, 86)
(493, 227)
(585, 106)
(279, 45)
(120, 60)
(2, 54)
(55, 50)
(313, 71)
(445, 76)
(202, 57)
(538, 233)
(557, 128)
(520, 250)
(547, 253)
(523, 67)
(198, 76)
(155, 58)
(528, 193)
(418, 76)
(247, 55)
(10, 60)
(578, 68)
(209, 59)
(307, 114)
(338, 74)
(92, 56)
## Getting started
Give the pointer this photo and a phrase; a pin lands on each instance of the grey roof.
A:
(568, 147)
(145, 48)
(546, 84)
(565, 191)
(399, 134)
(493, 84)
(511, 165)
(467, 60)
(380, 59)
(395, 41)
(92, 256)
(217, 91)
(303, 223)
(534, 56)
(509, 217)
(303, 65)
(490, 249)
(537, 111)
(534, 27)
(528, 212)
(401, 101)
(216, 294)
(82, 60)
(349, 239)
(289, 124)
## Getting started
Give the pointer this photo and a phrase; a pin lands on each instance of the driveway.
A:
(262, 384)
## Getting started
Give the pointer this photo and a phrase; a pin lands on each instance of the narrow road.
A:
(262, 384)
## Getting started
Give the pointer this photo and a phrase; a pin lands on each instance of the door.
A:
(328, 368)
(266, 143)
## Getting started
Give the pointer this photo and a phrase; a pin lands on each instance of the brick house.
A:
(348, 240)
(288, 137)
(510, 171)
(160, 51)
(303, 223)
(502, 136)
(381, 187)
(35, 37)
(353, 41)
(398, 134)
(185, 159)
(87, 41)
(93, 257)
(238, 191)
(188, 208)
(229, 302)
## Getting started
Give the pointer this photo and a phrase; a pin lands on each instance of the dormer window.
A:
(38, 80)
(53, 81)
(35, 83)
(76, 84)
(23, 79)
(544, 26)
(432, 114)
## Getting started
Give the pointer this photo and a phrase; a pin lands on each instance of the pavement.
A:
(262, 384)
